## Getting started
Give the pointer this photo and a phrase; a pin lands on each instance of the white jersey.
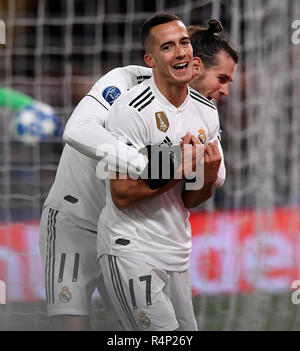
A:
(156, 231)
(77, 192)
(84, 130)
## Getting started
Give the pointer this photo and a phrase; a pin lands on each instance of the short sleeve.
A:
(126, 123)
(127, 126)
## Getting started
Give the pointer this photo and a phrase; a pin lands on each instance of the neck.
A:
(175, 94)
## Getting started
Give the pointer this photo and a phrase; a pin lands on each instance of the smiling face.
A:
(213, 82)
(169, 53)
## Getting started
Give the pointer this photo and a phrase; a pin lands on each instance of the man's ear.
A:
(198, 67)
(149, 60)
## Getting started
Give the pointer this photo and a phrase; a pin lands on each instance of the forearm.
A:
(129, 192)
(193, 198)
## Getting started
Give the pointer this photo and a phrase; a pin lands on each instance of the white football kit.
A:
(154, 233)
(71, 211)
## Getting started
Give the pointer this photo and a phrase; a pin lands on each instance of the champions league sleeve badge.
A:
(111, 93)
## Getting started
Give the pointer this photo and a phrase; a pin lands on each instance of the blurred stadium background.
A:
(246, 239)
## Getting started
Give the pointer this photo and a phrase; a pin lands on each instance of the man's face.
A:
(170, 53)
(213, 82)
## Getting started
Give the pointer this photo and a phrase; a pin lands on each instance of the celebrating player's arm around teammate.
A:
(144, 255)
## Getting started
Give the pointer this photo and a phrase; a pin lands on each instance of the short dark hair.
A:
(206, 44)
(155, 20)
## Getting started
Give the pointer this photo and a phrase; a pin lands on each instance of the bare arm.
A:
(128, 192)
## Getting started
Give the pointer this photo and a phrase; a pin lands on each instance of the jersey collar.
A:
(164, 101)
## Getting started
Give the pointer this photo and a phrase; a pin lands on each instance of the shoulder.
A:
(139, 97)
(139, 73)
(117, 82)
(130, 113)
(207, 111)
(201, 100)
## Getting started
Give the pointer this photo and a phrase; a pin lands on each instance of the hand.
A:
(212, 161)
(192, 152)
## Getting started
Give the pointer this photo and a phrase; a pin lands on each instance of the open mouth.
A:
(180, 66)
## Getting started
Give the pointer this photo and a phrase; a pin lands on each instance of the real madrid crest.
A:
(65, 294)
(162, 121)
(202, 136)
(144, 320)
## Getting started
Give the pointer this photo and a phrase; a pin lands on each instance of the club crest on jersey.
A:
(144, 320)
(110, 94)
(202, 136)
(65, 294)
(162, 121)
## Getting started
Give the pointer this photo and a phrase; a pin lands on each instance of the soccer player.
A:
(78, 197)
(70, 213)
(214, 62)
(144, 236)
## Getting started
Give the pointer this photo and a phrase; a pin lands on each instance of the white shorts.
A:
(72, 271)
(147, 298)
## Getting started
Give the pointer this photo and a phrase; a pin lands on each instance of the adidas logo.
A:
(140, 79)
(166, 141)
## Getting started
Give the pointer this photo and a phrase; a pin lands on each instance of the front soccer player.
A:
(144, 236)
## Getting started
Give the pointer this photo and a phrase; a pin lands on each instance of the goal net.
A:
(246, 238)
